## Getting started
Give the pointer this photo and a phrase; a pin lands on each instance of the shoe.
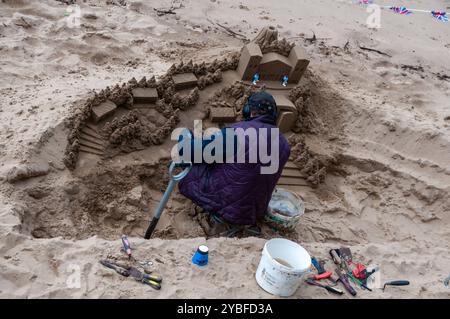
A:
(211, 224)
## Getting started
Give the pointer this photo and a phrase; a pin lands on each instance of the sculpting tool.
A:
(335, 256)
(317, 265)
(126, 246)
(110, 265)
(344, 280)
(358, 281)
(153, 281)
(396, 283)
(367, 274)
(325, 275)
(331, 289)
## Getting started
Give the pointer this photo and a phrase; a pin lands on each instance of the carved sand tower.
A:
(273, 60)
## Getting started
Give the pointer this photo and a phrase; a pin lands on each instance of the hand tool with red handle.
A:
(359, 271)
(325, 275)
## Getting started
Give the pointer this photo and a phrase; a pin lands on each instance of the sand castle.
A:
(141, 113)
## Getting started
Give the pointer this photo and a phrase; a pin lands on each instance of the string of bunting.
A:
(439, 15)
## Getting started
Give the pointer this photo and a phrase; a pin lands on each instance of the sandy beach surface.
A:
(378, 120)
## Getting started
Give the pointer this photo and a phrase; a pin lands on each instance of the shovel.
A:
(174, 179)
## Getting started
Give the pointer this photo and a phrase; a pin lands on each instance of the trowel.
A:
(174, 179)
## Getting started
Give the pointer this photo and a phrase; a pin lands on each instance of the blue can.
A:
(200, 257)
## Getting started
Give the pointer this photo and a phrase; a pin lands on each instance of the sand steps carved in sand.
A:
(93, 133)
(89, 150)
(91, 139)
(91, 142)
(291, 176)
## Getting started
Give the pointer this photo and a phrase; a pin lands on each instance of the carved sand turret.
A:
(272, 59)
(266, 36)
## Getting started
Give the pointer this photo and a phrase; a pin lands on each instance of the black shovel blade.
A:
(151, 228)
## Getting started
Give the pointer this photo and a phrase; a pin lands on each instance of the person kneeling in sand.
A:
(232, 182)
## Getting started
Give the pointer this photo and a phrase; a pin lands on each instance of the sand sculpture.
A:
(138, 114)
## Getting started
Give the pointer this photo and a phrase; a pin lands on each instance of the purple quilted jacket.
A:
(237, 192)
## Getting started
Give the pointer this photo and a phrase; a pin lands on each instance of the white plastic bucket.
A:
(282, 266)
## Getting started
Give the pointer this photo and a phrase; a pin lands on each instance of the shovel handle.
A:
(173, 180)
(186, 168)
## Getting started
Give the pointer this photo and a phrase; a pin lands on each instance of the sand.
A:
(373, 140)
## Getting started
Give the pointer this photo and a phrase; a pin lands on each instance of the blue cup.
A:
(200, 257)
